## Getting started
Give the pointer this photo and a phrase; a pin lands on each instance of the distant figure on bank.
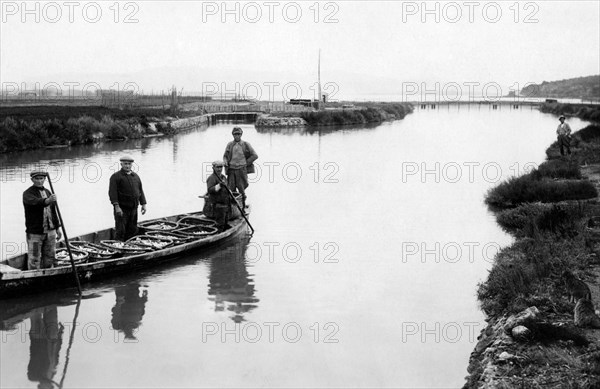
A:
(564, 136)
(126, 194)
(218, 204)
(239, 160)
(41, 223)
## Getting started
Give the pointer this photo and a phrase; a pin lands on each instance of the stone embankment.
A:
(171, 125)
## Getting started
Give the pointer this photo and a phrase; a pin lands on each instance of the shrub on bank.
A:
(590, 113)
(332, 118)
(396, 109)
(558, 169)
(528, 273)
(366, 113)
(15, 135)
(64, 113)
(590, 133)
(81, 130)
(518, 221)
(22, 134)
(528, 189)
(531, 219)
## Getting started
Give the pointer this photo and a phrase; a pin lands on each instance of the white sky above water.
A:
(367, 47)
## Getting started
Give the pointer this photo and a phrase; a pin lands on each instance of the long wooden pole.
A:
(62, 225)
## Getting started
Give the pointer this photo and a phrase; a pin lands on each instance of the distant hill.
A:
(576, 88)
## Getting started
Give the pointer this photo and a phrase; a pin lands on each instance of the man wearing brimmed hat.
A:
(239, 160)
(564, 136)
(218, 204)
(126, 194)
(41, 223)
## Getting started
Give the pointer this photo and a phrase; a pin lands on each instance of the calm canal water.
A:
(362, 272)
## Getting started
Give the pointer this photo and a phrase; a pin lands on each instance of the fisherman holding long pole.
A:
(220, 198)
(42, 222)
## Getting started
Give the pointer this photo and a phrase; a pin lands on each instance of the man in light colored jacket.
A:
(564, 136)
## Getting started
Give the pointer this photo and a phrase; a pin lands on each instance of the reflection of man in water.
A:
(46, 338)
(129, 309)
(230, 282)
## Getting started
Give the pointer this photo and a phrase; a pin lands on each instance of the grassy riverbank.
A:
(23, 128)
(360, 114)
(549, 212)
(587, 112)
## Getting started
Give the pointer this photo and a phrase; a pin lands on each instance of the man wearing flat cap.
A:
(239, 160)
(218, 205)
(41, 223)
(126, 194)
(564, 136)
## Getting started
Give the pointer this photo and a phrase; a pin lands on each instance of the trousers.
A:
(237, 179)
(126, 225)
(564, 142)
(41, 250)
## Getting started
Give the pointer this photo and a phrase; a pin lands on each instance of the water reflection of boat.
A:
(14, 281)
(15, 311)
(230, 285)
(45, 333)
(129, 309)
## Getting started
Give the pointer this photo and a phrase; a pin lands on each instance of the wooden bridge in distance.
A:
(487, 104)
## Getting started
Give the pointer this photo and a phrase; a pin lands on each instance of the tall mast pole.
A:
(320, 96)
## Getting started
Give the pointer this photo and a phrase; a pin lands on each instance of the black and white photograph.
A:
(299, 194)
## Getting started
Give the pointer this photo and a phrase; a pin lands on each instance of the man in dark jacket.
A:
(218, 197)
(239, 160)
(126, 194)
(41, 223)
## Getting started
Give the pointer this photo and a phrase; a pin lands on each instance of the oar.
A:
(236, 203)
(62, 224)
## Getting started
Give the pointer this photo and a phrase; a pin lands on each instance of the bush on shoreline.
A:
(553, 181)
(530, 219)
(366, 113)
(24, 128)
(20, 134)
(590, 113)
(528, 189)
(529, 272)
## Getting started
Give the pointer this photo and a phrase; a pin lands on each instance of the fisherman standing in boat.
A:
(41, 223)
(218, 198)
(239, 160)
(126, 194)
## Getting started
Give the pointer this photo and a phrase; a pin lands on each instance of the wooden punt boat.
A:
(14, 281)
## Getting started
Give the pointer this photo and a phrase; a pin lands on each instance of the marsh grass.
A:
(365, 113)
(23, 135)
(529, 273)
(529, 189)
(23, 128)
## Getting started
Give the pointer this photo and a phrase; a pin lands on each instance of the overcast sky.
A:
(366, 46)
